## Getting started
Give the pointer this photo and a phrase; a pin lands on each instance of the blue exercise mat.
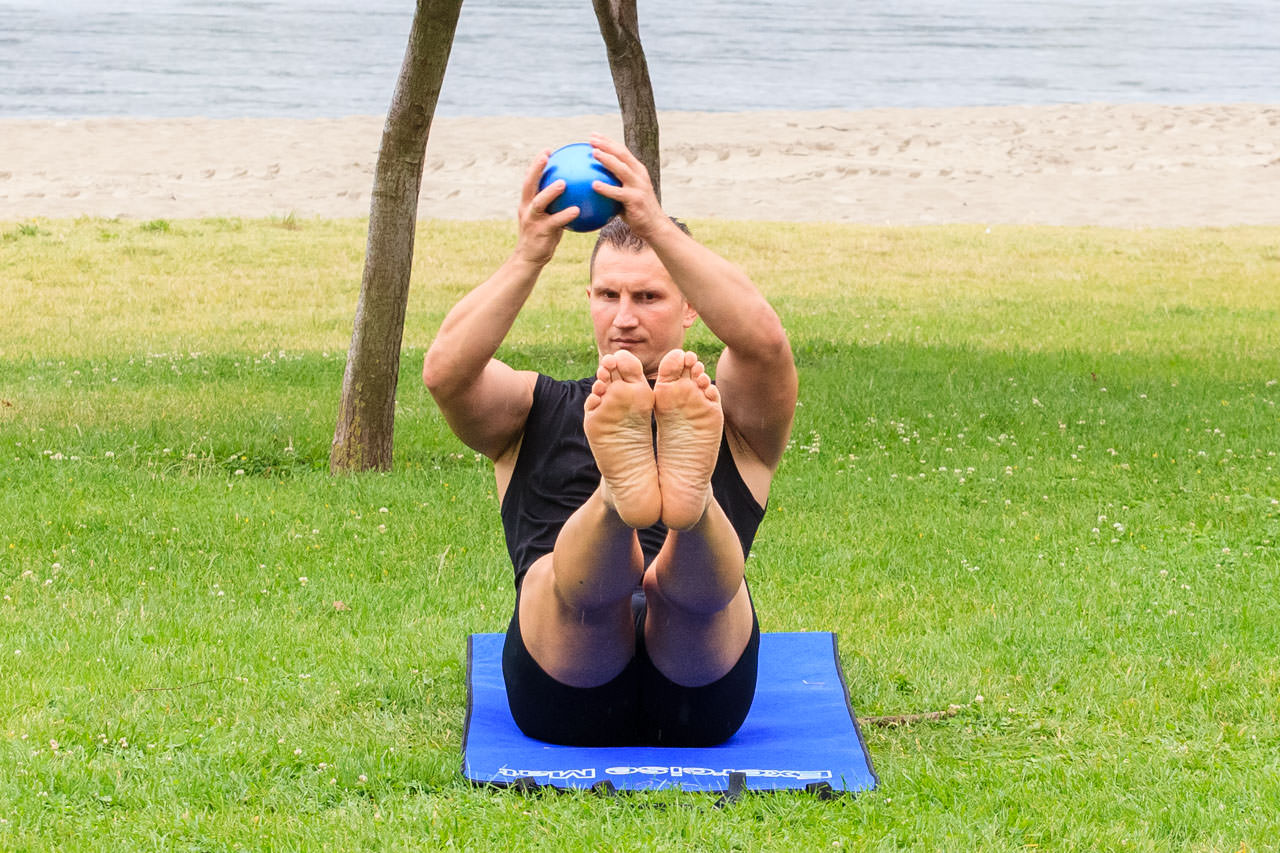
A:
(800, 734)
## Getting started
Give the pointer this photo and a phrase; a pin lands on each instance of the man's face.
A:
(636, 306)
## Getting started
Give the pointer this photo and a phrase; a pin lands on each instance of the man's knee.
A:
(578, 646)
(696, 601)
(546, 708)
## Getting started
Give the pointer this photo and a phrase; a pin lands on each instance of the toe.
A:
(629, 367)
(672, 365)
(608, 367)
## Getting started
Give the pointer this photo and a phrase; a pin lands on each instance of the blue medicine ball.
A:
(577, 167)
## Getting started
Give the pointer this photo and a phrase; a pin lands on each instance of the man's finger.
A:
(609, 190)
(613, 148)
(624, 166)
(562, 218)
(608, 143)
(544, 197)
(611, 162)
(533, 176)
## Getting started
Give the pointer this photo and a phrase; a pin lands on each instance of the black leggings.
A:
(639, 706)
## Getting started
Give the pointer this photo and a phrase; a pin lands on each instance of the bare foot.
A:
(618, 420)
(690, 424)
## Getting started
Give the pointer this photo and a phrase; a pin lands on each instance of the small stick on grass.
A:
(908, 719)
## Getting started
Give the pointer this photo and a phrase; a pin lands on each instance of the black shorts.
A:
(640, 706)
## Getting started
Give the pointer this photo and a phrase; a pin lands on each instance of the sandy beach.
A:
(1128, 166)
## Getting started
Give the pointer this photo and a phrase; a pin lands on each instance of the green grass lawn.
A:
(1034, 473)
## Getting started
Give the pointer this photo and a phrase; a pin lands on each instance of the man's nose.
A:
(626, 316)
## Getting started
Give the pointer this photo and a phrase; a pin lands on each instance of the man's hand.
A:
(540, 231)
(640, 207)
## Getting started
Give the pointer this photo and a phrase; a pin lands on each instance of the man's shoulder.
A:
(557, 404)
(554, 422)
(549, 390)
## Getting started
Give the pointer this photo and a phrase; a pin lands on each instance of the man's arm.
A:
(756, 374)
(485, 401)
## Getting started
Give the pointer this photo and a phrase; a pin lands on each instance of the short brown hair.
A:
(619, 235)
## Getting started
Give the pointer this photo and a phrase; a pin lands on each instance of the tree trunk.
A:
(620, 26)
(366, 415)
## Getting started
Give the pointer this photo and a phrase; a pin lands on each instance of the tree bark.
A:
(362, 439)
(620, 27)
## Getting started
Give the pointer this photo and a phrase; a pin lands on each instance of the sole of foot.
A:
(690, 425)
(618, 419)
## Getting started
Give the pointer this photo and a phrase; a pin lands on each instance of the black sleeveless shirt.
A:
(555, 473)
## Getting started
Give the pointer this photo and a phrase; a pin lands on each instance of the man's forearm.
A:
(729, 303)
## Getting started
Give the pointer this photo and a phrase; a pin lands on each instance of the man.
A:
(647, 478)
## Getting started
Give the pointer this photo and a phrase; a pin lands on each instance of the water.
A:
(75, 58)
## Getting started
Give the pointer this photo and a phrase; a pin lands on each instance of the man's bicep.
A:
(489, 415)
(759, 397)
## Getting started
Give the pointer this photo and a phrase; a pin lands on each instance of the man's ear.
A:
(690, 315)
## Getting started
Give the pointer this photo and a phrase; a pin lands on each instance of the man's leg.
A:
(700, 618)
(575, 603)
